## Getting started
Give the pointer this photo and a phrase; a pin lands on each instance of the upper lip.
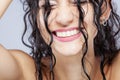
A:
(64, 29)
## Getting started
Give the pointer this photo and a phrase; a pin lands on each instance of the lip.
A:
(68, 38)
(63, 30)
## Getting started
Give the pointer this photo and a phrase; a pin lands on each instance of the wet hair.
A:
(105, 42)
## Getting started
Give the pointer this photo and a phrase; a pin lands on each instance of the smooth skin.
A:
(17, 65)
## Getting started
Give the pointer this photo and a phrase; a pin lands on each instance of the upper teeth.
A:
(67, 33)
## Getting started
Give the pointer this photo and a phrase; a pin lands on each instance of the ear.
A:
(106, 10)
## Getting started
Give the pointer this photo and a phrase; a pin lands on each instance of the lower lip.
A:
(67, 39)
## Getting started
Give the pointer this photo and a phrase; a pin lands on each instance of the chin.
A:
(70, 52)
(68, 49)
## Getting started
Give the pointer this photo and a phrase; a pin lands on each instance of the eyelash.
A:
(51, 5)
(81, 2)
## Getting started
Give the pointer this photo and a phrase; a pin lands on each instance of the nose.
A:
(64, 16)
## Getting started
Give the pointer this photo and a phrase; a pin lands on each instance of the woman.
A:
(70, 40)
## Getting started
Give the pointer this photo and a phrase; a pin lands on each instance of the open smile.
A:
(66, 35)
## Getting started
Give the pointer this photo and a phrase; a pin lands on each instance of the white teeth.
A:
(67, 33)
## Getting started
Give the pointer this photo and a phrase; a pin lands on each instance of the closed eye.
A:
(80, 1)
(53, 4)
(84, 1)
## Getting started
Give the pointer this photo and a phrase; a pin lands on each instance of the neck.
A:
(70, 68)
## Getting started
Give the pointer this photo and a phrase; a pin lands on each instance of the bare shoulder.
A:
(26, 64)
(22, 57)
(9, 68)
(25, 61)
(13, 63)
(115, 72)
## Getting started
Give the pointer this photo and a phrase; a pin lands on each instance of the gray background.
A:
(12, 26)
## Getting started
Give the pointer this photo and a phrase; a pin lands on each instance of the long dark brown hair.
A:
(105, 45)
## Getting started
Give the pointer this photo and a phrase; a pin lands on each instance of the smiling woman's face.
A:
(63, 23)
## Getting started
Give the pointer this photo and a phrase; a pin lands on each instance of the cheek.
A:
(42, 28)
(41, 21)
(89, 22)
(89, 13)
(91, 28)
